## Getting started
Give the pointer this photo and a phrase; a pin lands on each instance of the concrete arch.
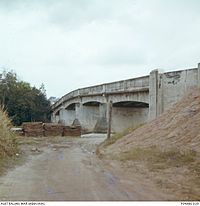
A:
(70, 102)
(133, 97)
(98, 98)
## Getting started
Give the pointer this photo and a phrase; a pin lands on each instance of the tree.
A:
(22, 101)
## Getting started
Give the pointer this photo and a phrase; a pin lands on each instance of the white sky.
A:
(69, 44)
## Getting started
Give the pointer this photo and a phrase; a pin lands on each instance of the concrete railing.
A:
(129, 85)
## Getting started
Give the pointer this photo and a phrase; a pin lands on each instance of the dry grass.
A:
(157, 159)
(8, 146)
(175, 170)
(119, 135)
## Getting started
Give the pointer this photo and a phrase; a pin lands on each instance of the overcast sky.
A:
(69, 44)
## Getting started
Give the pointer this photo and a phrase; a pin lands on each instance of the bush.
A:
(8, 146)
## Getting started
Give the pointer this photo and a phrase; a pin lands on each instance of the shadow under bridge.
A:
(126, 114)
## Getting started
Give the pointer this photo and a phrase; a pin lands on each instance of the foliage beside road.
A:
(23, 102)
(8, 144)
(7, 138)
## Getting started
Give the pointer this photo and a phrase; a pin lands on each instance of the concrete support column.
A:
(57, 118)
(53, 117)
(85, 116)
(62, 116)
(69, 117)
(155, 94)
(198, 72)
(102, 123)
(160, 103)
(78, 111)
(102, 110)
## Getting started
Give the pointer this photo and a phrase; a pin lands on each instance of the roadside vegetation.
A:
(119, 135)
(156, 159)
(23, 102)
(19, 102)
(8, 144)
(162, 167)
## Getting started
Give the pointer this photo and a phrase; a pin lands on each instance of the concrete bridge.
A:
(135, 101)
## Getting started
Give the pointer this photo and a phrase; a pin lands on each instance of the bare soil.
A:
(61, 168)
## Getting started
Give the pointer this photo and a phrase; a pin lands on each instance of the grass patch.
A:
(157, 159)
(119, 135)
(162, 165)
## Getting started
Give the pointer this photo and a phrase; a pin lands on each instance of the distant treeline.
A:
(22, 101)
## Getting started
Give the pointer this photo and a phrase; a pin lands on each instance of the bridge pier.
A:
(102, 121)
(155, 94)
(70, 116)
(53, 117)
(88, 116)
(62, 116)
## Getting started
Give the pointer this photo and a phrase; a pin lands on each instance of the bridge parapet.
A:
(129, 85)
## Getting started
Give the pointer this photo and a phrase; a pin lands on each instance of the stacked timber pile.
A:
(53, 129)
(36, 129)
(72, 131)
(33, 129)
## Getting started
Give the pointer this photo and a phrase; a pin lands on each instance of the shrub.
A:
(8, 146)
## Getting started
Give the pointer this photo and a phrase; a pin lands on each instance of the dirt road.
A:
(68, 169)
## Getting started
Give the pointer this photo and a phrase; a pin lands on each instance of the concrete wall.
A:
(69, 117)
(87, 116)
(165, 89)
(62, 115)
(57, 118)
(176, 84)
(124, 117)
